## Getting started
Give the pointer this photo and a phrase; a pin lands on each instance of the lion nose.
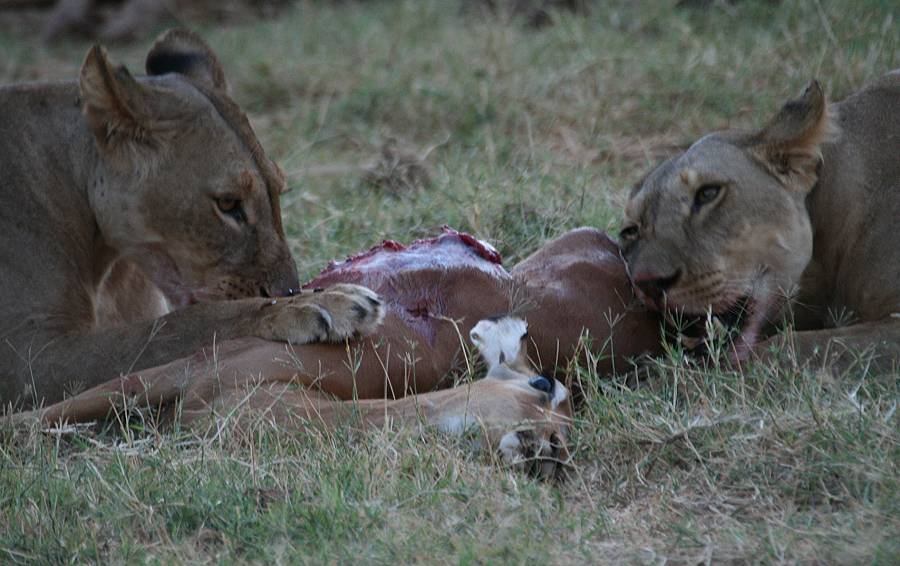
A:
(270, 292)
(281, 278)
(654, 285)
(283, 284)
(541, 383)
(273, 291)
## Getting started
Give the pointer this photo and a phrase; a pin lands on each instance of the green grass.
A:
(533, 132)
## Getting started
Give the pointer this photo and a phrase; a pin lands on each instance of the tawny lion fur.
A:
(126, 197)
(801, 217)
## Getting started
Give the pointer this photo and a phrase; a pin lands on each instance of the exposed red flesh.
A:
(451, 249)
(416, 280)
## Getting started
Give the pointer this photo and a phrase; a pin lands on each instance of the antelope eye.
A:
(231, 206)
(629, 233)
(706, 194)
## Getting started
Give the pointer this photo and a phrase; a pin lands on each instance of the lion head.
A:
(180, 184)
(723, 227)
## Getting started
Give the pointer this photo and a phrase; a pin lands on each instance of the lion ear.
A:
(790, 144)
(113, 102)
(184, 52)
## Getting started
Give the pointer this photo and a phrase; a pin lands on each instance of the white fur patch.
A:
(689, 177)
(560, 394)
(511, 448)
(456, 425)
(496, 337)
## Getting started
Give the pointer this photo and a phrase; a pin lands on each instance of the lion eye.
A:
(629, 233)
(232, 207)
(227, 204)
(706, 194)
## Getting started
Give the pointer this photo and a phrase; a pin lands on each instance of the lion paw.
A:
(328, 315)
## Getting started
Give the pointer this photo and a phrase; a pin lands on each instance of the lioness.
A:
(807, 208)
(122, 198)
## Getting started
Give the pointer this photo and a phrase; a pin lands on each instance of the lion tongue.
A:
(758, 310)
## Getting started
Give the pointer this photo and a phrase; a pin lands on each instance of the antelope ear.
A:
(113, 102)
(789, 146)
(184, 52)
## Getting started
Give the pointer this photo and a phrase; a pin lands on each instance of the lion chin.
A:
(735, 323)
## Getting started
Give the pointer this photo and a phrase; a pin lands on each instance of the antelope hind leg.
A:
(527, 426)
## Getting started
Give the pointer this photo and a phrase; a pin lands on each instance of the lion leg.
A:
(871, 345)
(63, 363)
